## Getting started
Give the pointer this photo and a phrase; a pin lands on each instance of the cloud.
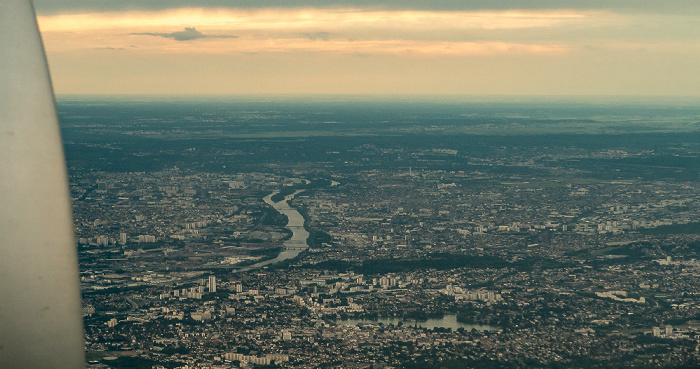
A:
(189, 34)
(324, 36)
(307, 22)
(647, 6)
(350, 31)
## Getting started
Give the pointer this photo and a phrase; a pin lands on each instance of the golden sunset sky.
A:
(498, 47)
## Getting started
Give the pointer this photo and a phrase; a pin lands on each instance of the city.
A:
(419, 253)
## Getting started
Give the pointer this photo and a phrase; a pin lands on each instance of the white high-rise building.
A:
(212, 284)
(112, 323)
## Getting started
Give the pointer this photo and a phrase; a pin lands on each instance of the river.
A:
(293, 246)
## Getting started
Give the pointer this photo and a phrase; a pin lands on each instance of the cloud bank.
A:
(450, 46)
(646, 6)
(189, 34)
(339, 31)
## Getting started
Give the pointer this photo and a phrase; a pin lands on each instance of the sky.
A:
(405, 47)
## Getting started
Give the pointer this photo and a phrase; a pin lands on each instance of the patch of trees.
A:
(271, 251)
(274, 218)
(438, 261)
(334, 265)
(283, 192)
(690, 228)
(317, 238)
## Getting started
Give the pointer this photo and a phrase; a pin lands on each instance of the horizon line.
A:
(389, 97)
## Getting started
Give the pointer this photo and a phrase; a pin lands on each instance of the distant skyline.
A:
(493, 47)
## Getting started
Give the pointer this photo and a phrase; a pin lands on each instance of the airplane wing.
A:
(40, 312)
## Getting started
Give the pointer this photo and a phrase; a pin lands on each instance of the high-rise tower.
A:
(212, 283)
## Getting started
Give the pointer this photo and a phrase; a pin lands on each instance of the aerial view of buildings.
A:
(419, 250)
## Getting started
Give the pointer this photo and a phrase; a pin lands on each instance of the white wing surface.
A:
(40, 313)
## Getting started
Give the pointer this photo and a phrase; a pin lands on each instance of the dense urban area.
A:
(438, 239)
